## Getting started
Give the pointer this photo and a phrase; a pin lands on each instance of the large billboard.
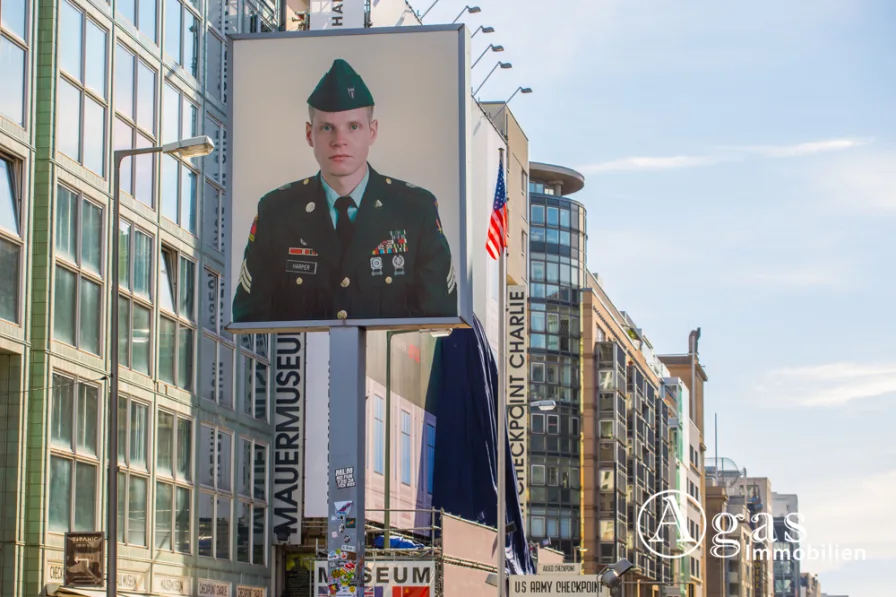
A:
(349, 192)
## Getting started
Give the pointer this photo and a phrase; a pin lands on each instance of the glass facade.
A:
(194, 411)
(556, 274)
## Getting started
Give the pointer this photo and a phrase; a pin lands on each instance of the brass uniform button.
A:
(388, 279)
(346, 282)
(388, 181)
(342, 315)
(299, 281)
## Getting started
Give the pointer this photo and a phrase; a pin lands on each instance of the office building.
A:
(194, 412)
(787, 573)
(810, 586)
(628, 455)
(557, 232)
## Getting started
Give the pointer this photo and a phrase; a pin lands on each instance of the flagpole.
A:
(502, 408)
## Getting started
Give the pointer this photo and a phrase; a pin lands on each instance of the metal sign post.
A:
(345, 499)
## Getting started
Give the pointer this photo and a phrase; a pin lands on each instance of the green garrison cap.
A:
(340, 89)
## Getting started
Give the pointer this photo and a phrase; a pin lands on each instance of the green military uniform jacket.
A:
(397, 265)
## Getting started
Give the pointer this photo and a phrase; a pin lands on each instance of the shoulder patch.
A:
(252, 230)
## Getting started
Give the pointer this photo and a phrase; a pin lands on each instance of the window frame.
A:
(174, 480)
(221, 340)
(127, 470)
(185, 9)
(138, 25)
(72, 455)
(216, 492)
(406, 465)
(77, 269)
(86, 93)
(131, 120)
(181, 322)
(129, 295)
(252, 501)
(182, 167)
(15, 171)
(23, 43)
(249, 356)
(379, 435)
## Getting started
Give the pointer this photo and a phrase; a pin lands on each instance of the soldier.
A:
(348, 242)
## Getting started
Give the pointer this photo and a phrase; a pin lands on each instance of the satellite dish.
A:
(724, 471)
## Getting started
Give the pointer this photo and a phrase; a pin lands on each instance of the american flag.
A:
(496, 243)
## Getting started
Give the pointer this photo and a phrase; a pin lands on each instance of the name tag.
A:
(301, 267)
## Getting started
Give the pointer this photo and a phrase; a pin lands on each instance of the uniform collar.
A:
(357, 194)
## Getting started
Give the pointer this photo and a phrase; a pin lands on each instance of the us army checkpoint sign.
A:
(348, 180)
(556, 585)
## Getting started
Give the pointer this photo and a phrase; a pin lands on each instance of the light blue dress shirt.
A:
(356, 194)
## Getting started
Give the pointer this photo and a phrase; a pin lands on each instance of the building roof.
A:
(571, 180)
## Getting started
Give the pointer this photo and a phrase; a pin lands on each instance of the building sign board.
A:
(84, 559)
(212, 588)
(337, 14)
(172, 585)
(555, 585)
(289, 431)
(560, 568)
(415, 579)
(517, 382)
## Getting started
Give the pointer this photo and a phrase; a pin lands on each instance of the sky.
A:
(740, 165)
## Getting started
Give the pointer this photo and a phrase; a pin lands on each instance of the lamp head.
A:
(488, 29)
(473, 9)
(526, 90)
(193, 147)
(497, 48)
(505, 65)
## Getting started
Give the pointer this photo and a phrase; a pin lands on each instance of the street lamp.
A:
(491, 47)
(504, 65)
(387, 515)
(185, 148)
(524, 90)
(544, 405)
(470, 9)
(483, 29)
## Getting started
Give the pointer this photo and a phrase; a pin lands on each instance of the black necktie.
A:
(344, 226)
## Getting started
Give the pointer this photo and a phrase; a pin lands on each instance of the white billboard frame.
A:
(464, 270)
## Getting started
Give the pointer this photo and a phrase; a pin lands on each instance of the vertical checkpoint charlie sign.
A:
(337, 14)
(289, 410)
(517, 382)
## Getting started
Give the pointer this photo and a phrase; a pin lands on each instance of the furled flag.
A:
(406, 591)
(496, 243)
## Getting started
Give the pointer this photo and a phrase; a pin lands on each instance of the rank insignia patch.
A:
(301, 251)
(397, 244)
(252, 230)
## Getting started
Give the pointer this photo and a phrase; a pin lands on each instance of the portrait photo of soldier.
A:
(347, 242)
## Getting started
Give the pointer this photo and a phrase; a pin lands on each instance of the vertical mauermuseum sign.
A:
(289, 432)
(517, 385)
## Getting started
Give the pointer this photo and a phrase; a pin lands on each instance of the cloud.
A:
(720, 155)
(867, 184)
(827, 385)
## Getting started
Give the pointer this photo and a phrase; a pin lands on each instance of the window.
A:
(10, 239)
(255, 369)
(135, 265)
(574, 426)
(182, 35)
(13, 59)
(74, 422)
(537, 526)
(405, 447)
(216, 57)
(174, 477)
(133, 476)
(430, 455)
(216, 376)
(251, 507)
(524, 244)
(537, 423)
(142, 13)
(176, 324)
(538, 215)
(135, 124)
(77, 311)
(213, 193)
(537, 370)
(216, 498)
(553, 424)
(379, 427)
(537, 474)
(179, 191)
(81, 101)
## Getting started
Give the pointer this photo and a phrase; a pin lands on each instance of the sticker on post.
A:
(345, 477)
(350, 523)
(343, 508)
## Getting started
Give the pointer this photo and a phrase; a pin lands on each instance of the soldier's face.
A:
(341, 140)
